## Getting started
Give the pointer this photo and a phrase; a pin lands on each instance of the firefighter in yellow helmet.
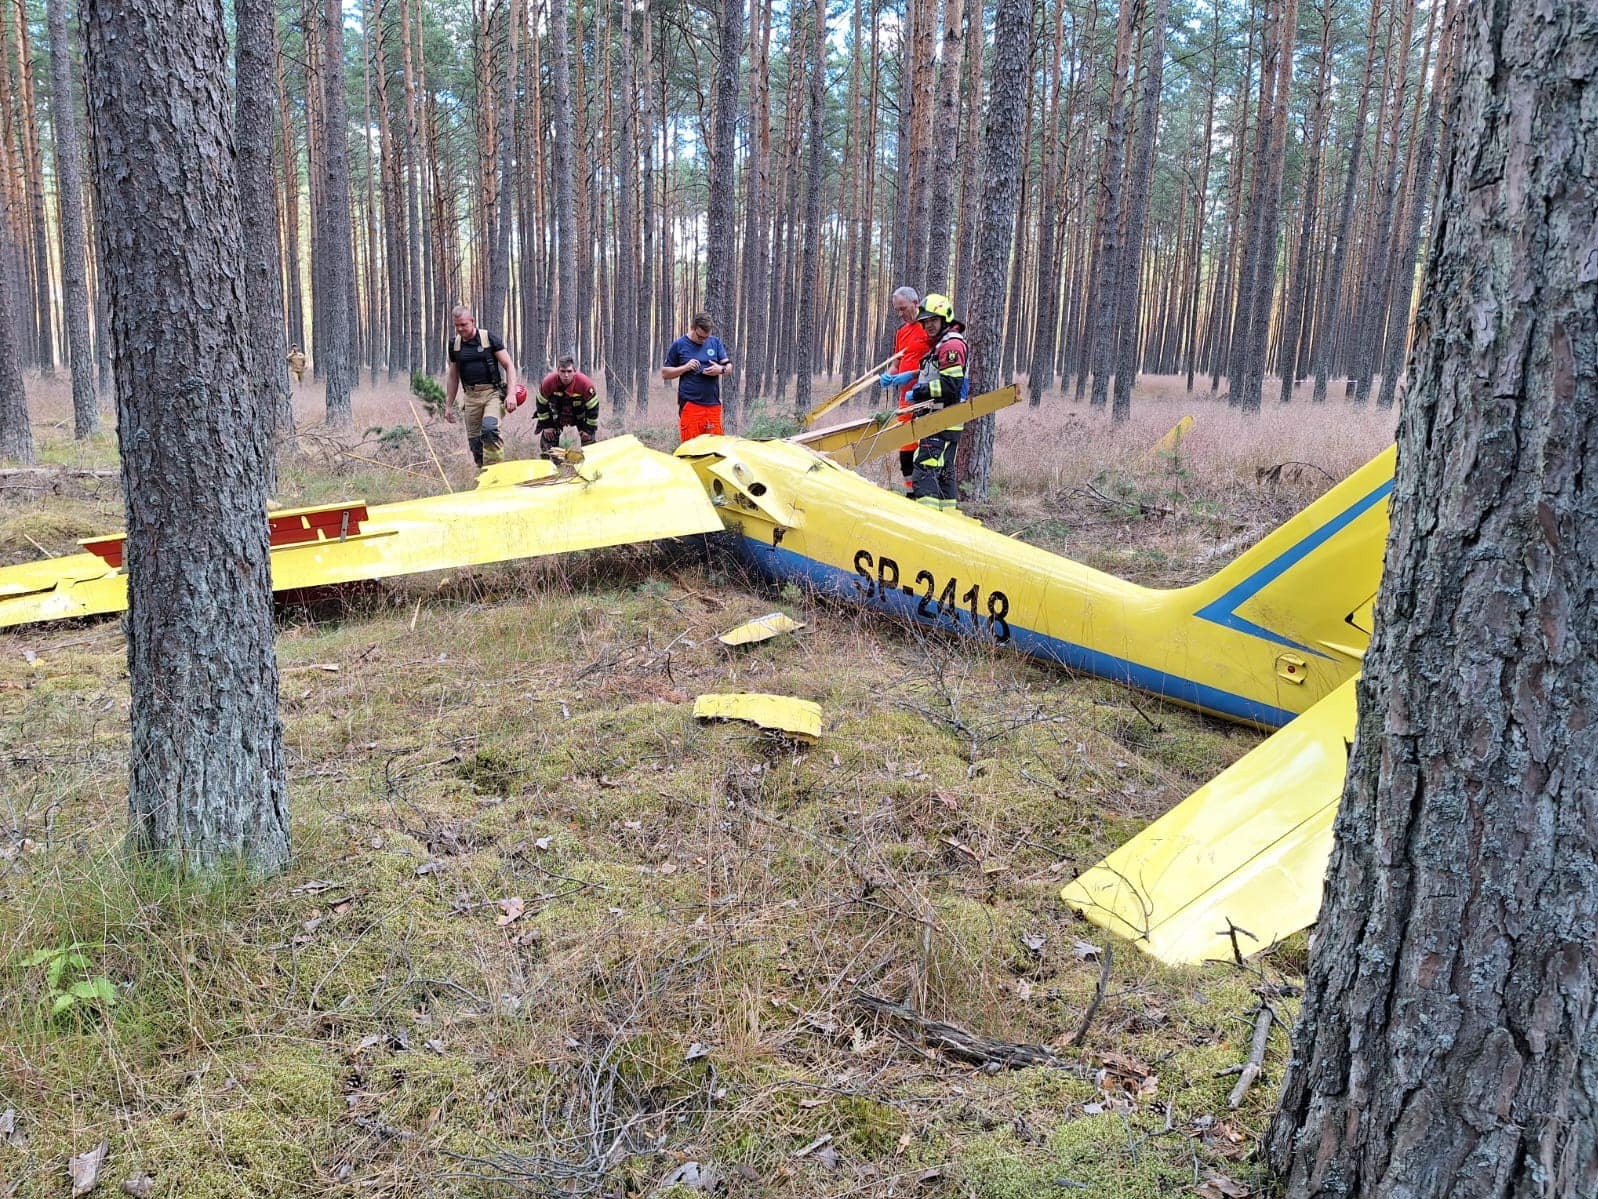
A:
(942, 381)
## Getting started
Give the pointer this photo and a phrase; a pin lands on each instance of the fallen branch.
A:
(56, 472)
(1263, 1019)
(968, 1046)
(1105, 961)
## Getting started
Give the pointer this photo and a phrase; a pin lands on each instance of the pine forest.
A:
(1235, 193)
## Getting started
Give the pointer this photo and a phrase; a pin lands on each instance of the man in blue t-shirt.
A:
(697, 360)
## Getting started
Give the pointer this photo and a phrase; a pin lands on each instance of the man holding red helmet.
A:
(481, 369)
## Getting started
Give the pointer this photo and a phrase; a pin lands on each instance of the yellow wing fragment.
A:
(797, 718)
(762, 628)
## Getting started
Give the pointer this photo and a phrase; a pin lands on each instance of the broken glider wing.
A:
(622, 493)
(1245, 855)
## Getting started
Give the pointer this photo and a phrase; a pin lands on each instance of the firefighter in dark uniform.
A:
(942, 381)
(481, 370)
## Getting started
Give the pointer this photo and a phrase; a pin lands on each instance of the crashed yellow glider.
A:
(1273, 635)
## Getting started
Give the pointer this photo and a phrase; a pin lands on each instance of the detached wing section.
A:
(622, 493)
(1244, 855)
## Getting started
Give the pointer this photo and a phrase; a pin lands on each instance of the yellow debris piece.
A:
(798, 718)
(1245, 855)
(762, 628)
(1172, 441)
(857, 442)
(622, 494)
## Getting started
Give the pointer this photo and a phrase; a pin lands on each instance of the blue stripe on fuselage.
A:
(781, 564)
(1223, 611)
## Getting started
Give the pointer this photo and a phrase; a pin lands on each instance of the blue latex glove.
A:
(899, 380)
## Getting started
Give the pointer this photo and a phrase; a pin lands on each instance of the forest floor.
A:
(544, 934)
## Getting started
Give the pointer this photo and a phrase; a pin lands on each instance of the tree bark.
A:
(1001, 172)
(1403, 281)
(720, 226)
(1321, 345)
(206, 782)
(1107, 261)
(267, 358)
(565, 184)
(338, 269)
(33, 179)
(941, 205)
(16, 434)
(1126, 354)
(69, 197)
(809, 281)
(1449, 1038)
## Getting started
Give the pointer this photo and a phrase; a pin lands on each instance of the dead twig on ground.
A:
(1263, 1019)
(1106, 960)
(973, 1047)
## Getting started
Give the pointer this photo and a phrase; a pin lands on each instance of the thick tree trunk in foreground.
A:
(263, 280)
(1001, 172)
(206, 780)
(69, 194)
(1449, 1040)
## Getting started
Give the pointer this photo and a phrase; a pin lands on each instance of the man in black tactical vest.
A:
(481, 369)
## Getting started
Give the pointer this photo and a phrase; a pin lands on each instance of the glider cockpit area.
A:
(1273, 639)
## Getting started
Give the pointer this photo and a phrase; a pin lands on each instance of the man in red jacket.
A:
(910, 339)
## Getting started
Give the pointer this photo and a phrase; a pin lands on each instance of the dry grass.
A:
(698, 906)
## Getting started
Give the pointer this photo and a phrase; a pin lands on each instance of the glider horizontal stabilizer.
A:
(1239, 864)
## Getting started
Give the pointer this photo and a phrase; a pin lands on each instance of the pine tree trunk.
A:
(1001, 172)
(970, 151)
(941, 208)
(1372, 306)
(16, 434)
(267, 356)
(1107, 262)
(69, 196)
(624, 326)
(295, 297)
(565, 184)
(1126, 354)
(206, 785)
(1298, 287)
(416, 342)
(753, 332)
(503, 91)
(1449, 1035)
(1402, 287)
(333, 219)
(1331, 290)
(809, 281)
(720, 259)
(33, 164)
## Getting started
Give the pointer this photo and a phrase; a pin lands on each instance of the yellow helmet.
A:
(936, 305)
